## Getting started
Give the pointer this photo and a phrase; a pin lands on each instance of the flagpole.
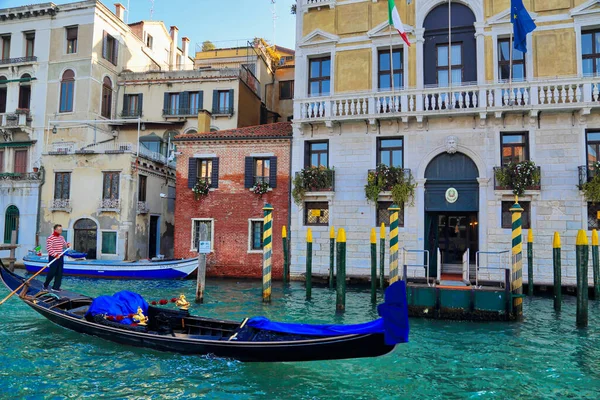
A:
(449, 53)
(510, 62)
(392, 71)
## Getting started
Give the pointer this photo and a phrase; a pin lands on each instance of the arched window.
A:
(11, 223)
(85, 237)
(106, 98)
(191, 132)
(67, 91)
(3, 94)
(25, 92)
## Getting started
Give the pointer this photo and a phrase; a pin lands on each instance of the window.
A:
(11, 223)
(72, 32)
(29, 42)
(3, 94)
(507, 216)
(286, 90)
(62, 185)
(194, 102)
(1, 161)
(593, 216)
(106, 110)
(518, 71)
(132, 105)
(390, 152)
(149, 41)
(67, 91)
(385, 68)
(319, 76)
(5, 50)
(316, 154)
(262, 170)
(593, 148)
(110, 48)
(204, 169)
(383, 214)
(223, 105)
(256, 235)
(442, 65)
(20, 166)
(514, 148)
(590, 50)
(25, 91)
(110, 187)
(142, 185)
(173, 104)
(196, 223)
(109, 242)
(316, 213)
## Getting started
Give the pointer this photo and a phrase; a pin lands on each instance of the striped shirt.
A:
(55, 245)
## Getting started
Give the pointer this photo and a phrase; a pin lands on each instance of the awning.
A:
(17, 80)
(17, 144)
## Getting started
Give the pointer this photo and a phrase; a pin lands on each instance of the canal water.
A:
(543, 357)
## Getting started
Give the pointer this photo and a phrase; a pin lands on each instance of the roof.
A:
(268, 131)
(285, 50)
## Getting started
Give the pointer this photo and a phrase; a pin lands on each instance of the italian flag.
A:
(395, 21)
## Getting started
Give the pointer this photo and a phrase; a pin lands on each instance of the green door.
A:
(11, 223)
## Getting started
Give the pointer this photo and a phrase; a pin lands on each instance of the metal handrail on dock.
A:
(425, 264)
(497, 253)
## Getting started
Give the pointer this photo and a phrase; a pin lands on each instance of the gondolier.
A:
(55, 245)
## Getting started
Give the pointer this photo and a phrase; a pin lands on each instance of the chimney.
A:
(120, 11)
(185, 45)
(203, 121)
(173, 32)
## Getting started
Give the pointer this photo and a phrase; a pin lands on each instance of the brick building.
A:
(231, 162)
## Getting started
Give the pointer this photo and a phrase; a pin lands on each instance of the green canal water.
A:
(543, 357)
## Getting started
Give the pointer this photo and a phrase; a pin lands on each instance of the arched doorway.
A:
(85, 237)
(11, 223)
(451, 211)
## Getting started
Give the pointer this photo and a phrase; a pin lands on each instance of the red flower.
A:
(110, 318)
(120, 318)
(154, 303)
(174, 299)
(163, 302)
(130, 315)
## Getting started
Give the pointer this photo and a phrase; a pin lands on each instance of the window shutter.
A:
(125, 104)
(201, 100)
(140, 100)
(273, 172)
(192, 172)
(215, 106)
(184, 102)
(231, 101)
(214, 177)
(306, 154)
(104, 44)
(115, 59)
(249, 175)
(166, 104)
(67, 186)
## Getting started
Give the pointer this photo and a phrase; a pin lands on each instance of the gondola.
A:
(253, 340)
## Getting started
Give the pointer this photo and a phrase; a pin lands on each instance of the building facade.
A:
(452, 121)
(232, 163)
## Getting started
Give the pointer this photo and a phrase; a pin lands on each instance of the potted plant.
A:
(260, 188)
(591, 189)
(518, 177)
(312, 179)
(398, 181)
(22, 111)
(201, 188)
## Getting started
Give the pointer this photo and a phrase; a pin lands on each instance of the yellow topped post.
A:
(517, 258)
(382, 255)
(530, 236)
(373, 266)
(340, 303)
(382, 231)
(267, 251)
(284, 232)
(309, 237)
(309, 244)
(394, 211)
(331, 256)
(556, 262)
(556, 241)
(530, 262)
(595, 264)
(582, 258)
(286, 255)
(332, 233)
(373, 236)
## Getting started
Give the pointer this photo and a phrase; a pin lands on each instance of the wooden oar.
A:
(27, 281)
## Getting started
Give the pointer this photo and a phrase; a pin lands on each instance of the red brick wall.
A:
(231, 206)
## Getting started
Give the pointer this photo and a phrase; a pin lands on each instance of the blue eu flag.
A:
(522, 24)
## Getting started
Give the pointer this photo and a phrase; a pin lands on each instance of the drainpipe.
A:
(39, 207)
(289, 221)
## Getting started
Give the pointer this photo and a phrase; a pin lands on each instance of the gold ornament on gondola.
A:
(140, 318)
(182, 303)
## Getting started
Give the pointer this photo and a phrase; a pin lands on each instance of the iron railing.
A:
(415, 267)
(131, 114)
(406, 175)
(180, 111)
(498, 186)
(586, 174)
(17, 60)
(18, 176)
(317, 179)
(494, 268)
(222, 111)
(110, 205)
(60, 205)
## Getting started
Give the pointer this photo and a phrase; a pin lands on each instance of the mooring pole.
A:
(340, 281)
(201, 277)
(331, 256)
(382, 256)
(530, 262)
(394, 210)
(267, 251)
(373, 266)
(556, 262)
(517, 258)
(595, 265)
(309, 244)
(286, 256)
(582, 255)
(13, 249)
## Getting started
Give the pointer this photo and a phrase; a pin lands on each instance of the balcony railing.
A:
(315, 179)
(18, 60)
(131, 114)
(15, 120)
(222, 111)
(17, 176)
(60, 205)
(566, 94)
(537, 178)
(395, 178)
(110, 205)
(179, 112)
(318, 3)
(142, 207)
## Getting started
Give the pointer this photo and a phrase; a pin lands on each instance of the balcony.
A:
(60, 205)
(220, 111)
(142, 207)
(568, 94)
(180, 112)
(131, 114)
(18, 60)
(67, 148)
(17, 176)
(318, 3)
(504, 178)
(109, 205)
(18, 120)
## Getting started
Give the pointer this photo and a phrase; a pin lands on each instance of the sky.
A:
(224, 22)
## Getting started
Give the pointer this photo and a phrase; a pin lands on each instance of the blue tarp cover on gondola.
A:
(394, 321)
(74, 254)
(120, 304)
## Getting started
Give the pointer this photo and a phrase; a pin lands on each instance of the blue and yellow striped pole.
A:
(394, 211)
(267, 251)
(517, 258)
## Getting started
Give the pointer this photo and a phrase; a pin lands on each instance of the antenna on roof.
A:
(274, 11)
(151, 8)
(127, 19)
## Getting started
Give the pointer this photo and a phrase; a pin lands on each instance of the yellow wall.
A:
(546, 64)
(249, 107)
(353, 70)
(319, 19)
(351, 18)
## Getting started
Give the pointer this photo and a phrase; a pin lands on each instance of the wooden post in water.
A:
(13, 251)
(582, 255)
(373, 266)
(267, 252)
(331, 256)
(556, 262)
(201, 278)
(286, 256)
(340, 301)
(595, 265)
(382, 256)
(530, 262)
(394, 210)
(517, 258)
(309, 245)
